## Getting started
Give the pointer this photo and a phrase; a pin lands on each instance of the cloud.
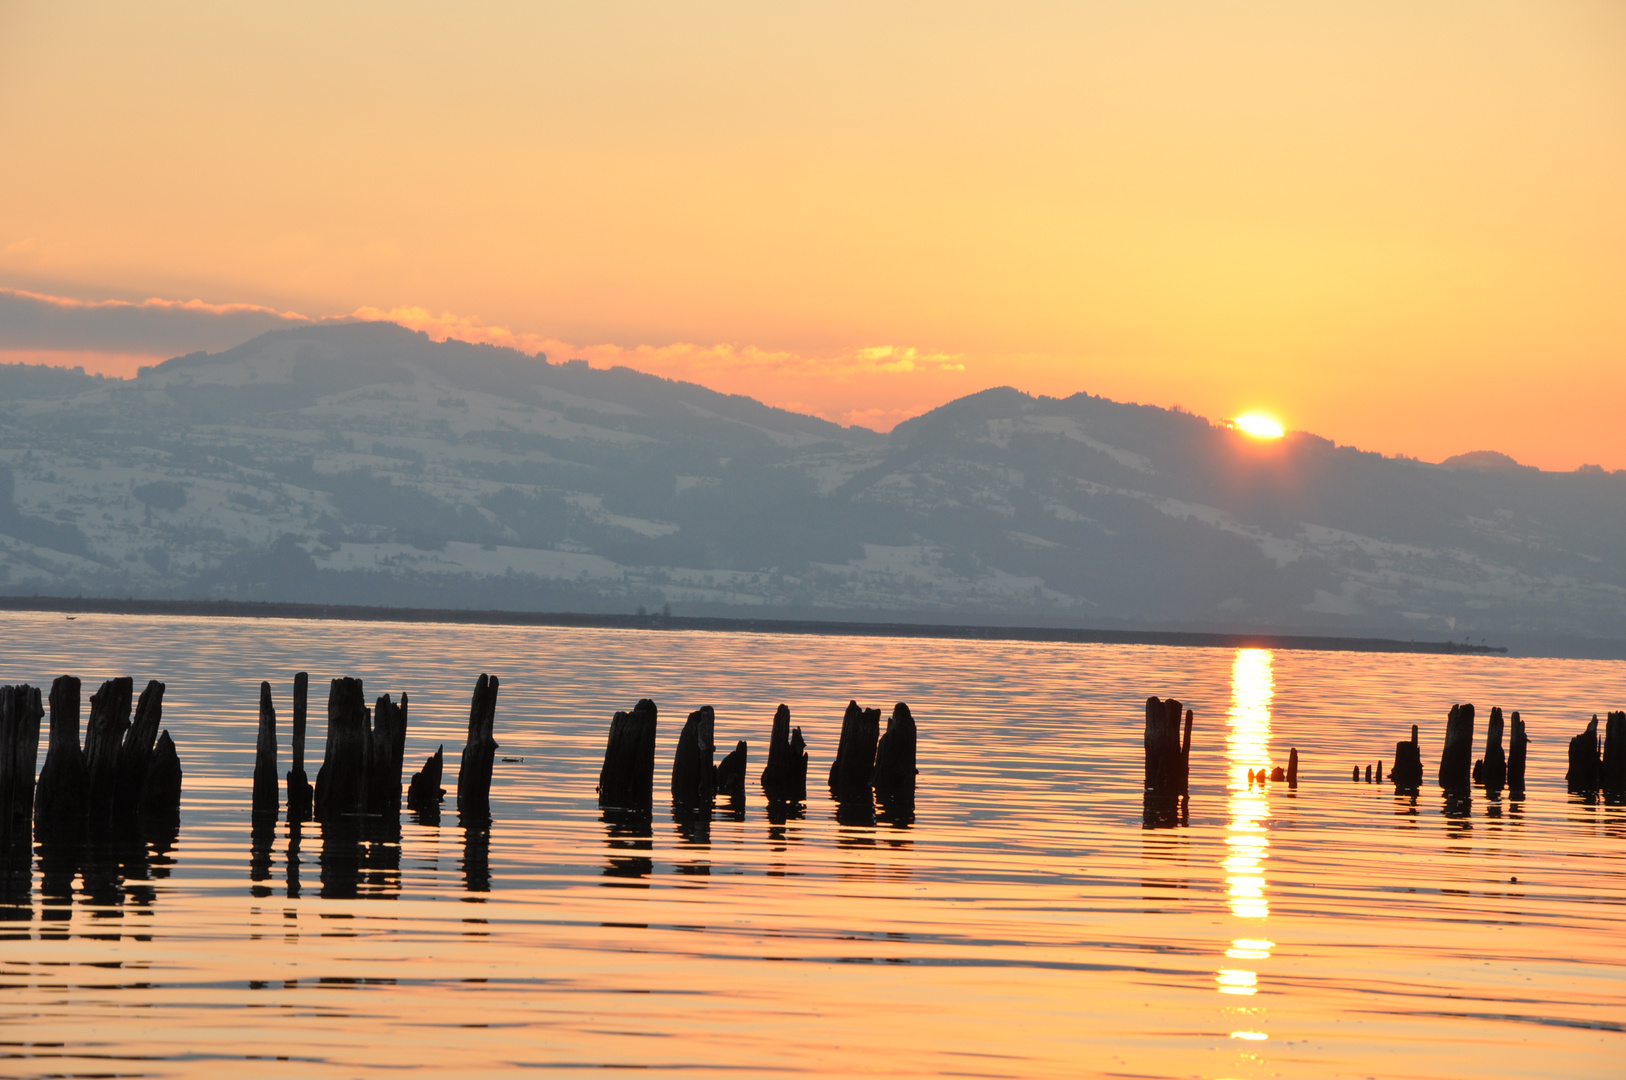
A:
(34, 322)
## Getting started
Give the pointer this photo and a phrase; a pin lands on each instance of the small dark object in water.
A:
(1293, 767)
(1278, 774)
(479, 753)
(299, 785)
(1369, 774)
(1379, 779)
(1407, 773)
(512, 760)
(1519, 743)
(694, 776)
(731, 774)
(627, 779)
(895, 755)
(424, 792)
(1456, 757)
(1582, 777)
(784, 779)
(853, 771)
(1168, 758)
(1355, 774)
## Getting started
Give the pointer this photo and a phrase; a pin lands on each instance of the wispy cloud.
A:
(36, 322)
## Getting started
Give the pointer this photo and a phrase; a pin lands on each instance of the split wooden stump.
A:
(784, 779)
(1456, 757)
(1168, 755)
(694, 776)
(1585, 773)
(479, 755)
(853, 771)
(626, 781)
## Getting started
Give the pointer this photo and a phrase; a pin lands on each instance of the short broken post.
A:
(424, 793)
(341, 782)
(479, 754)
(895, 769)
(853, 771)
(1613, 779)
(731, 775)
(386, 752)
(784, 780)
(1517, 747)
(1168, 769)
(1582, 777)
(626, 781)
(1407, 773)
(1293, 767)
(1456, 757)
(694, 776)
(1493, 766)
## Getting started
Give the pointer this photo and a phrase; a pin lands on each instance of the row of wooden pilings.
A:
(124, 773)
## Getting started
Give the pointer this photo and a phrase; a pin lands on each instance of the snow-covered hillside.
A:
(366, 464)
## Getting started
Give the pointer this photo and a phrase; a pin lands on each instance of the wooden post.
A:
(265, 758)
(135, 753)
(386, 752)
(694, 777)
(852, 773)
(59, 802)
(424, 793)
(1515, 758)
(341, 783)
(161, 787)
(1167, 755)
(479, 754)
(299, 786)
(1407, 773)
(1379, 779)
(1582, 778)
(1493, 771)
(1456, 758)
(109, 717)
(731, 774)
(627, 779)
(895, 769)
(1293, 767)
(784, 780)
(1613, 780)
(20, 714)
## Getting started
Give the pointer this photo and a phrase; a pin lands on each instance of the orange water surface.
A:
(1025, 923)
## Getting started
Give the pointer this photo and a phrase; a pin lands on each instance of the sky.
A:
(1398, 225)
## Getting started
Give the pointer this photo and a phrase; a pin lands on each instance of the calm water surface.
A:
(1026, 923)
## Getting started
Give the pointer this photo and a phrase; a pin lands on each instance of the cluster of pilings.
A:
(869, 766)
(1599, 767)
(1500, 768)
(360, 776)
(126, 774)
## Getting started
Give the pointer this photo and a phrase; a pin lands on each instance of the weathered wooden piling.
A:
(479, 753)
(895, 770)
(1493, 766)
(341, 782)
(424, 792)
(160, 798)
(109, 718)
(1407, 773)
(1517, 746)
(1293, 767)
(1379, 779)
(386, 752)
(265, 758)
(731, 774)
(59, 801)
(1369, 774)
(299, 786)
(1583, 775)
(1457, 756)
(853, 771)
(1613, 776)
(1168, 757)
(20, 715)
(1355, 774)
(135, 752)
(626, 781)
(694, 776)
(784, 779)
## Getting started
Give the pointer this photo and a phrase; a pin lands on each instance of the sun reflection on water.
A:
(1247, 747)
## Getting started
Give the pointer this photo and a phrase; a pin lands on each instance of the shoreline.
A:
(254, 609)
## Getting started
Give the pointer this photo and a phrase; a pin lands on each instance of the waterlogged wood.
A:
(479, 753)
(20, 715)
(1517, 746)
(1613, 778)
(1168, 757)
(895, 769)
(424, 792)
(341, 782)
(853, 771)
(1583, 775)
(299, 787)
(386, 753)
(59, 802)
(694, 777)
(1407, 773)
(731, 774)
(161, 787)
(784, 779)
(1457, 755)
(265, 758)
(104, 736)
(1293, 767)
(1493, 766)
(626, 781)
(135, 752)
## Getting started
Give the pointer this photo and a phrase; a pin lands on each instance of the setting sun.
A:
(1258, 425)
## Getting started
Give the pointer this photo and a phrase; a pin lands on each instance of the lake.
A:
(1025, 923)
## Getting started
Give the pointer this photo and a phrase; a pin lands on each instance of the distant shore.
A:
(243, 609)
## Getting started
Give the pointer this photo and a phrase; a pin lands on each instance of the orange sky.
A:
(1401, 226)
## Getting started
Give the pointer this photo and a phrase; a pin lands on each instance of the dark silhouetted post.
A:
(1456, 758)
(1355, 774)
(784, 779)
(1614, 756)
(109, 717)
(1293, 767)
(424, 793)
(135, 753)
(59, 802)
(161, 788)
(1582, 778)
(1517, 746)
(341, 782)
(694, 777)
(386, 752)
(1493, 772)
(627, 779)
(479, 754)
(20, 715)
(731, 774)
(299, 785)
(895, 770)
(265, 758)
(853, 771)
(1407, 773)
(1167, 756)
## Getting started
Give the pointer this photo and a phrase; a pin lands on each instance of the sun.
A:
(1258, 425)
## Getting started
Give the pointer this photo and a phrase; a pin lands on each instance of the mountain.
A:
(366, 464)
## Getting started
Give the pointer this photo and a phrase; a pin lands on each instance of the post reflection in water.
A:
(1247, 747)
